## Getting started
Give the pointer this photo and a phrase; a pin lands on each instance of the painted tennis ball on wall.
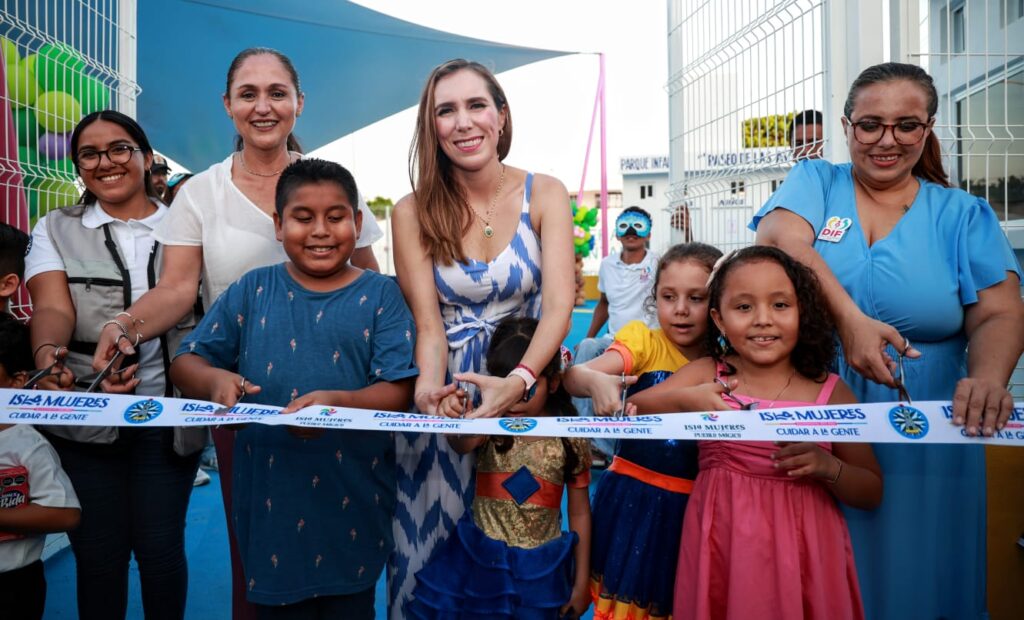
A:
(92, 94)
(9, 51)
(31, 167)
(57, 66)
(26, 126)
(63, 169)
(54, 194)
(21, 84)
(58, 111)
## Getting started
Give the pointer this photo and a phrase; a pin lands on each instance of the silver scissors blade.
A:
(622, 403)
(899, 380)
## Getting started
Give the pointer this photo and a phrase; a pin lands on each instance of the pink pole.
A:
(604, 167)
(590, 136)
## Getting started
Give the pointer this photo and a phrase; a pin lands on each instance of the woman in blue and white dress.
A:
(470, 243)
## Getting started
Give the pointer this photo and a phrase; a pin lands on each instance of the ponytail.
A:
(929, 167)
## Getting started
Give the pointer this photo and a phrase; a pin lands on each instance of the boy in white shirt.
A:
(625, 281)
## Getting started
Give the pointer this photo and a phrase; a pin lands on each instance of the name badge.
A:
(834, 229)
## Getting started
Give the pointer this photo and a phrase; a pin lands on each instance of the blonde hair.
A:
(441, 208)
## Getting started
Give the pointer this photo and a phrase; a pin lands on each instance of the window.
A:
(993, 168)
(643, 192)
(958, 29)
(738, 187)
(650, 191)
(952, 29)
(775, 184)
(1010, 11)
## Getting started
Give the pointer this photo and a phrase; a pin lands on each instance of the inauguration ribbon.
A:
(923, 422)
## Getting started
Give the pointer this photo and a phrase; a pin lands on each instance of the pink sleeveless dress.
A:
(758, 544)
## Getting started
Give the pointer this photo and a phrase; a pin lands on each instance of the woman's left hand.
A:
(577, 605)
(982, 406)
(806, 459)
(497, 394)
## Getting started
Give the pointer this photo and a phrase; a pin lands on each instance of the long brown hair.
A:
(236, 64)
(441, 206)
(930, 165)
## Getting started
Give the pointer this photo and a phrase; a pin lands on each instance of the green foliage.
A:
(379, 206)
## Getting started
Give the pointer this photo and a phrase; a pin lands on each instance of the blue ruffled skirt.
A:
(474, 576)
(636, 532)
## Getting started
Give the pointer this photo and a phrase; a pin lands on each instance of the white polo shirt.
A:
(627, 288)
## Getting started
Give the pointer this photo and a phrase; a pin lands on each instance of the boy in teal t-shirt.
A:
(312, 508)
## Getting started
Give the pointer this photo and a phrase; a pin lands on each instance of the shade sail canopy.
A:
(356, 65)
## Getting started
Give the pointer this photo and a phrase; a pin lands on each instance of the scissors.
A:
(225, 410)
(465, 398)
(43, 373)
(728, 395)
(898, 376)
(622, 403)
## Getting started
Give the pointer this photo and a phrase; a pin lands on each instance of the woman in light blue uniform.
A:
(904, 257)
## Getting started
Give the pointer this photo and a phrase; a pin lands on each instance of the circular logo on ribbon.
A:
(908, 421)
(518, 425)
(143, 411)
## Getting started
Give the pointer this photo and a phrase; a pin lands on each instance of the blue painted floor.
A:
(206, 547)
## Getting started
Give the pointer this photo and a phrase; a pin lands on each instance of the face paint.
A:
(633, 222)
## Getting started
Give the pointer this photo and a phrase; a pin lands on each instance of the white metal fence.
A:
(62, 59)
(738, 72)
(738, 68)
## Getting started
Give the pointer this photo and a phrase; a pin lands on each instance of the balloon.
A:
(58, 112)
(21, 84)
(28, 160)
(54, 194)
(55, 145)
(30, 60)
(57, 66)
(591, 218)
(9, 51)
(26, 125)
(92, 94)
(63, 169)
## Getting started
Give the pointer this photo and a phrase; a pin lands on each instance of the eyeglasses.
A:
(906, 133)
(89, 159)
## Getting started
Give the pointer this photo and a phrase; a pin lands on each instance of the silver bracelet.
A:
(135, 322)
(120, 325)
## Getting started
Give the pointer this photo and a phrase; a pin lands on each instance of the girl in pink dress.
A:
(763, 536)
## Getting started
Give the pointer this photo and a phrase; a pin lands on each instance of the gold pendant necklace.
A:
(486, 221)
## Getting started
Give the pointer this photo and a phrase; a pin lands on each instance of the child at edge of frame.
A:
(36, 496)
(312, 507)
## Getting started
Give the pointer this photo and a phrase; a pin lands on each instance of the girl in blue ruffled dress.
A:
(508, 556)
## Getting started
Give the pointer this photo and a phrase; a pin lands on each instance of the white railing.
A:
(62, 60)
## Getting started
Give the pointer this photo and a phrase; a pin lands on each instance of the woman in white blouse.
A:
(221, 224)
